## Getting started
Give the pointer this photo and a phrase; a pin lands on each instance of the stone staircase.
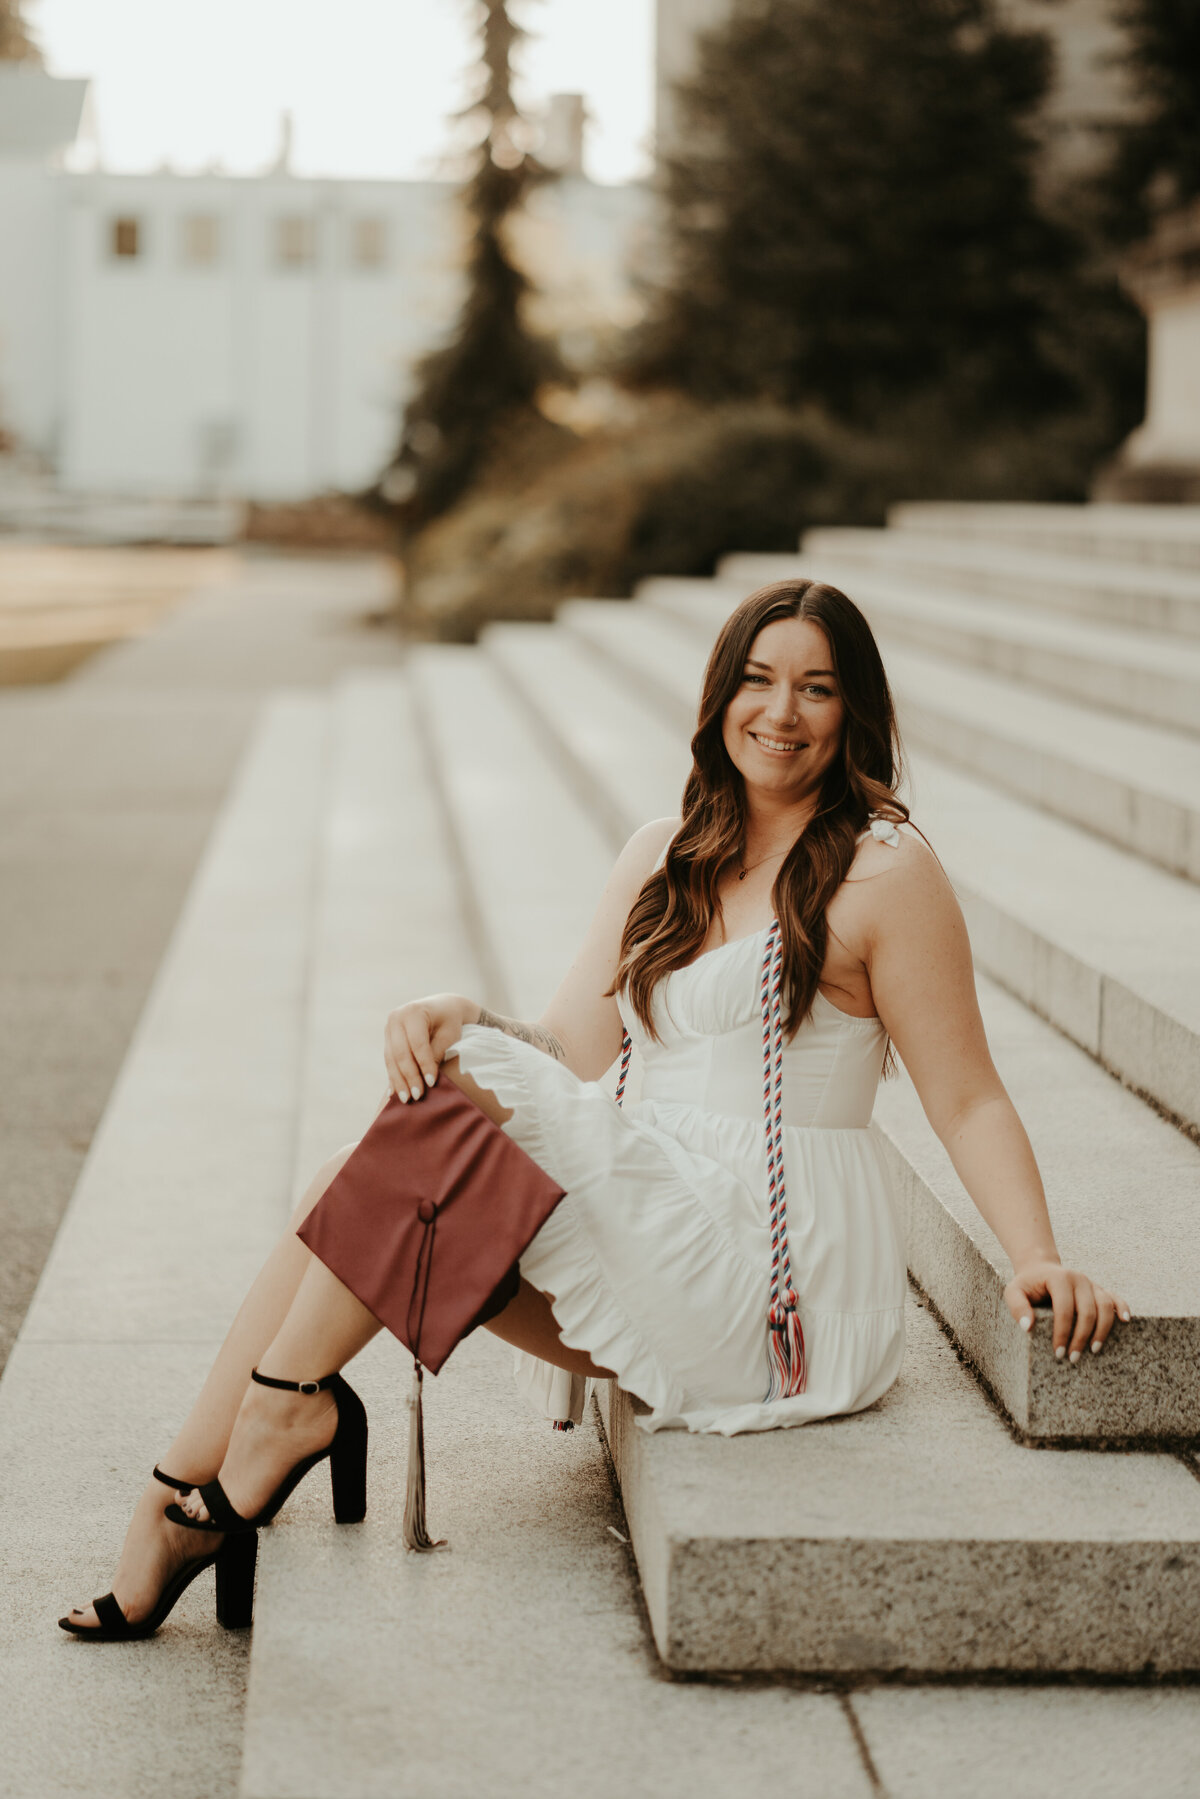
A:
(998, 1513)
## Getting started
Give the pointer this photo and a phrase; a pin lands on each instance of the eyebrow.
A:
(751, 663)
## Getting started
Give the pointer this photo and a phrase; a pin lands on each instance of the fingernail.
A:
(1097, 1347)
(1125, 1316)
(1026, 1324)
(1075, 1354)
(403, 1098)
(1060, 1352)
(416, 1092)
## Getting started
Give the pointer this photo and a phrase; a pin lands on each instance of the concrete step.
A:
(1107, 1160)
(1101, 1150)
(489, 1668)
(1161, 536)
(916, 1537)
(1090, 936)
(184, 1190)
(1130, 783)
(502, 809)
(1143, 595)
(647, 763)
(1149, 676)
(499, 1665)
(388, 923)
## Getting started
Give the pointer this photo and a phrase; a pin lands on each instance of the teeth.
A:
(774, 743)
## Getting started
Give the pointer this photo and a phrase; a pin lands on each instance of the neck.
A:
(776, 825)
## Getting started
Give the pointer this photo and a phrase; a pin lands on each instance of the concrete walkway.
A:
(109, 785)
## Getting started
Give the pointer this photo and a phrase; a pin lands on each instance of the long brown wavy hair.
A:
(669, 920)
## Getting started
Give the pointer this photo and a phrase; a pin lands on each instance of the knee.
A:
(320, 1181)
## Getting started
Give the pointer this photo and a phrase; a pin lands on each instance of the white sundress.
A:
(658, 1257)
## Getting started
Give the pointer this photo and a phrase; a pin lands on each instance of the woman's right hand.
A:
(417, 1037)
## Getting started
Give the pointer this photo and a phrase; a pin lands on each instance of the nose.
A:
(782, 709)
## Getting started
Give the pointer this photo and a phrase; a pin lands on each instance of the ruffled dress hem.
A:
(564, 1266)
(857, 1351)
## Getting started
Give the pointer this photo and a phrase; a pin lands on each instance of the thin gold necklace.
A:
(743, 872)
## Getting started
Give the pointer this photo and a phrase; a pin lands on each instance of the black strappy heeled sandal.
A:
(234, 1562)
(347, 1466)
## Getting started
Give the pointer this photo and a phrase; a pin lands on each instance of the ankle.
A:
(278, 1409)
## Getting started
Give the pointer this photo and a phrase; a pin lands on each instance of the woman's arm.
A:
(581, 1026)
(582, 1017)
(916, 951)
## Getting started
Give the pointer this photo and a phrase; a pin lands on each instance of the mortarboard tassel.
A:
(416, 1536)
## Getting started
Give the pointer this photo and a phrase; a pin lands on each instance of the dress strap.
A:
(883, 830)
(787, 1369)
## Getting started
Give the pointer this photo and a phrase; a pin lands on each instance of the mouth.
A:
(777, 746)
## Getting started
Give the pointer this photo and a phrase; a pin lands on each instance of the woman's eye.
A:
(754, 677)
(825, 693)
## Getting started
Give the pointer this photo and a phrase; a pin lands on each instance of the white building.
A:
(189, 335)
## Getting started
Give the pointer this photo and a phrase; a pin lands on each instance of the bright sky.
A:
(371, 83)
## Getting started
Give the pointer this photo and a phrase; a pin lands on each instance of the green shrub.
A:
(561, 515)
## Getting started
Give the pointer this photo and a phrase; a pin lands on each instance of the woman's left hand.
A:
(1083, 1312)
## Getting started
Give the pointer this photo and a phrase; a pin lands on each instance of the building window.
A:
(200, 239)
(295, 241)
(126, 237)
(368, 242)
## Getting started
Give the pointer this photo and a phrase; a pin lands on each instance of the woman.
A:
(794, 894)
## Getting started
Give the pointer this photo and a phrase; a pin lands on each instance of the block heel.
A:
(348, 1459)
(236, 1560)
(347, 1455)
(112, 1625)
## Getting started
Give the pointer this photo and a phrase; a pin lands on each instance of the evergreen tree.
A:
(851, 218)
(1157, 158)
(16, 45)
(483, 381)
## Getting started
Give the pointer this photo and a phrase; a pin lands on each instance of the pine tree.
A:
(483, 381)
(16, 44)
(851, 218)
(1157, 157)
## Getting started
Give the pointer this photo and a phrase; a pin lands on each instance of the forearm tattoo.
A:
(546, 1041)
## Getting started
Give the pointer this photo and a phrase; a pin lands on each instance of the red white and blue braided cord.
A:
(786, 1363)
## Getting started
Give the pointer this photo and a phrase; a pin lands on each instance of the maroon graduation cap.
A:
(425, 1223)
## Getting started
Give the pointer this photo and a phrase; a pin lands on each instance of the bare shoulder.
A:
(645, 847)
(895, 874)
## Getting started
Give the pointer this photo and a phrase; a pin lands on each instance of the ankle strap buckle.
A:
(308, 1386)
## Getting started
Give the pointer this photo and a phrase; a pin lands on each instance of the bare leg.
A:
(527, 1322)
(296, 1315)
(324, 1328)
(154, 1547)
(326, 1325)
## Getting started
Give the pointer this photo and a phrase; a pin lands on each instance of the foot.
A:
(154, 1549)
(274, 1430)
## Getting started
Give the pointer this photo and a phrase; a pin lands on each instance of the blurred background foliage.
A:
(16, 42)
(867, 290)
(1156, 163)
(482, 384)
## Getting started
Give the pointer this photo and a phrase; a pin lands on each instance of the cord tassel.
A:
(788, 1366)
(416, 1536)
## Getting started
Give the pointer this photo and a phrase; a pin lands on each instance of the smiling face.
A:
(783, 726)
